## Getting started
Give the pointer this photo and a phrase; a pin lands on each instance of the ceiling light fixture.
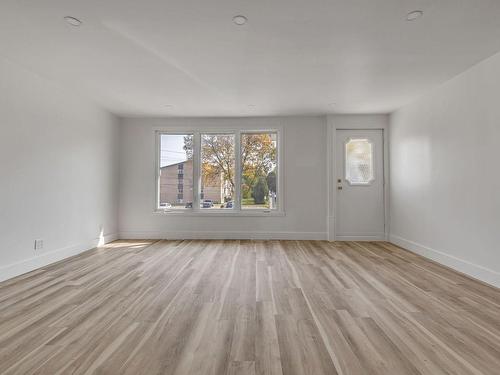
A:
(73, 21)
(414, 15)
(240, 20)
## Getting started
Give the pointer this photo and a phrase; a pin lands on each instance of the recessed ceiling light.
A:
(416, 14)
(240, 20)
(73, 21)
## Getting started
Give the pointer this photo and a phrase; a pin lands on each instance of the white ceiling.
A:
(134, 57)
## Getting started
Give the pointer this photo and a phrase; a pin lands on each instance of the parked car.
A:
(227, 205)
(165, 205)
(189, 205)
(207, 203)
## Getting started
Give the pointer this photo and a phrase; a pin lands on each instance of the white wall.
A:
(445, 173)
(305, 184)
(58, 172)
(374, 121)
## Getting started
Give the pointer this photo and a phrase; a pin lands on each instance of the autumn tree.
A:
(258, 154)
(271, 181)
(258, 158)
(260, 190)
(218, 159)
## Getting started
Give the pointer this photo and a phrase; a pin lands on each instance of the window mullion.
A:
(157, 174)
(196, 171)
(237, 165)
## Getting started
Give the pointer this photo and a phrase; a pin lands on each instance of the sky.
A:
(172, 151)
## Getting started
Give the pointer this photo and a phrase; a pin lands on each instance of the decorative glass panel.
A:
(359, 161)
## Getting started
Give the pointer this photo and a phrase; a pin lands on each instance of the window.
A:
(217, 171)
(359, 161)
(176, 154)
(236, 172)
(259, 170)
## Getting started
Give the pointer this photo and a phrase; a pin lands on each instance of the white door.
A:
(360, 185)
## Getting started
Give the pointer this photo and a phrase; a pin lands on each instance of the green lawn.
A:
(250, 202)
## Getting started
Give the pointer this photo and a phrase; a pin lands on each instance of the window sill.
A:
(213, 213)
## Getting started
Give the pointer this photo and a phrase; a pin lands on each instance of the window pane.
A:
(259, 172)
(217, 171)
(359, 161)
(176, 171)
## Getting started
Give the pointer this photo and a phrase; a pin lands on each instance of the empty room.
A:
(240, 187)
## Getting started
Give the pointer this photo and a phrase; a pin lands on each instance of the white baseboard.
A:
(375, 237)
(193, 235)
(44, 259)
(330, 223)
(473, 270)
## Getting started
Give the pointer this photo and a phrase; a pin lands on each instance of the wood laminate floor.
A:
(248, 307)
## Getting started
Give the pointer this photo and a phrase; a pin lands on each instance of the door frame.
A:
(354, 122)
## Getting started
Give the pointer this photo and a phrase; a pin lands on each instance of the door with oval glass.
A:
(360, 204)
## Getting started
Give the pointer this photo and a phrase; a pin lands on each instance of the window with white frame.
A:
(175, 171)
(220, 171)
(259, 170)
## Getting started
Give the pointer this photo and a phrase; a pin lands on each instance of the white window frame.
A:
(236, 210)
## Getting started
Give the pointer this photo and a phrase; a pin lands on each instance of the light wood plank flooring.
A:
(248, 307)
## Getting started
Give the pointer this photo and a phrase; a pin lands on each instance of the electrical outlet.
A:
(38, 244)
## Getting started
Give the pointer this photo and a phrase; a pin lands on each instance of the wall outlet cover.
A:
(38, 244)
